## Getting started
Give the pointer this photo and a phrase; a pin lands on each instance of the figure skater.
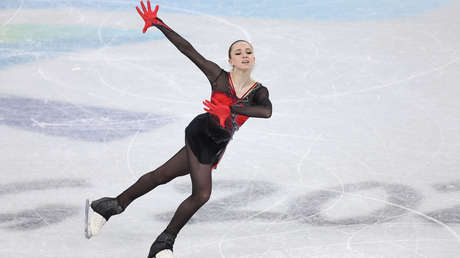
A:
(235, 96)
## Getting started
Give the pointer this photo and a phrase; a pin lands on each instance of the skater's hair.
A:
(240, 40)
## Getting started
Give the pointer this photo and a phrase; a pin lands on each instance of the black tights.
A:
(182, 163)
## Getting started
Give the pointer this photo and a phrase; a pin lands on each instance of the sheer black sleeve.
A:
(261, 106)
(209, 68)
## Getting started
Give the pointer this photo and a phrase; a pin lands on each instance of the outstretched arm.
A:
(209, 68)
(262, 107)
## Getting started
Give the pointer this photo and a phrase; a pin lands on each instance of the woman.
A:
(235, 97)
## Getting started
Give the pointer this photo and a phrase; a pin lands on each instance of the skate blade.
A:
(164, 254)
(93, 221)
(87, 235)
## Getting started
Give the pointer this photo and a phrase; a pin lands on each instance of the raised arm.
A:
(209, 68)
(262, 106)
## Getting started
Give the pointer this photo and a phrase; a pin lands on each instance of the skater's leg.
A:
(200, 175)
(102, 209)
(174, 167)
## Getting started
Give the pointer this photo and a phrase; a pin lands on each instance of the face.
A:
(242, 56)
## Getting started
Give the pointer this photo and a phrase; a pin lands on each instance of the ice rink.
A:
(360, 159)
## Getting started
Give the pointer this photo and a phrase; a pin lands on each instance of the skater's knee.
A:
(202, 197)
(164, 178)
(165, 175)
(157, 177)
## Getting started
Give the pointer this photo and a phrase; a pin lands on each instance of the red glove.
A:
(220, 110)
(150, 18)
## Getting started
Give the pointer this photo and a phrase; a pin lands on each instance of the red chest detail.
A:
(229, 100)
(232, 99)
(241, 119)
(222, 98)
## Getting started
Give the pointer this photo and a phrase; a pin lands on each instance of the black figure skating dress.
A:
(206, 138)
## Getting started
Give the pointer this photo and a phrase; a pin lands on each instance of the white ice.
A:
(360, 157)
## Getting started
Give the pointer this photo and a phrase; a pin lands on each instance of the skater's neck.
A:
(241, 78)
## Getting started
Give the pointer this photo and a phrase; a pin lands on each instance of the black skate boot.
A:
(163, 246)
(98, 213)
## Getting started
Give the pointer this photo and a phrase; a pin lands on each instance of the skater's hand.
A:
(150, 18)
(218, 109)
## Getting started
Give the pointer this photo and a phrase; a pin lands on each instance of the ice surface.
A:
(360, 157)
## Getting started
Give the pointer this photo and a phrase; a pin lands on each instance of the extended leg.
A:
(174, 167)
(200, 175)
(99, 212)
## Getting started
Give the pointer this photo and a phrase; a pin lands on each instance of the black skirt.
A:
(207, 139)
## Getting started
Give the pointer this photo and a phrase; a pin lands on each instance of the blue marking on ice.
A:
(294, 9)
(85, 123)
(88, 38)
